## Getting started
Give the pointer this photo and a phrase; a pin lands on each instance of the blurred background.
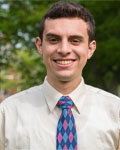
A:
(21, 67)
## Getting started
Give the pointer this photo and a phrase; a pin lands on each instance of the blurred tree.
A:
(103, 70)
(19, 25)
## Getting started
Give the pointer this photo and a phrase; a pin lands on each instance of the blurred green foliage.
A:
(19, 25)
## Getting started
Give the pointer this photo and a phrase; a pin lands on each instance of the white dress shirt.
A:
(28, 120)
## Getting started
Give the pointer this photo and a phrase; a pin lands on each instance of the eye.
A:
(53, 40)
(75, 41)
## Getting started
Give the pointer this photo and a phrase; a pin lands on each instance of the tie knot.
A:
(65, 102)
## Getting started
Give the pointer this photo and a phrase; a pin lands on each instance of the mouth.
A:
(64, 62)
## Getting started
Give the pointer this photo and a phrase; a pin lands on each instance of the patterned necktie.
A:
(66, 130)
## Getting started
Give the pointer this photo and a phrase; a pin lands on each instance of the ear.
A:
(38, 44)
(91, 48)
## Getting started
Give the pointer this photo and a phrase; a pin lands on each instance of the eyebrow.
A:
(52, 34)
(77, 37)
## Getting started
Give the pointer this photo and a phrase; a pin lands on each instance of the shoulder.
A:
(24, 96)
(102, 95)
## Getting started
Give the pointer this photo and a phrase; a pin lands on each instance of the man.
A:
(90, 119)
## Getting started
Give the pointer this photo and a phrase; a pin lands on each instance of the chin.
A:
(64, 78)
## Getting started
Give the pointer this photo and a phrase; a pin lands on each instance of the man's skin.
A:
(65, 49)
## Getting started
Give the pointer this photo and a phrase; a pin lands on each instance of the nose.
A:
(64, 48)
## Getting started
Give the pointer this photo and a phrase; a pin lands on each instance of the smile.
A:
(64, 62)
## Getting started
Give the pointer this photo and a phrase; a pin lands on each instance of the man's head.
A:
(66, 42)
(63, 9)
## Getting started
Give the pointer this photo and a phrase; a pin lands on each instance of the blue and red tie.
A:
(66, 130)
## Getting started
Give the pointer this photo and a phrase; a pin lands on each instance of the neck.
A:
(65, 87)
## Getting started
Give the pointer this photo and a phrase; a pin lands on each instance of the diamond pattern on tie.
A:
(66, 130)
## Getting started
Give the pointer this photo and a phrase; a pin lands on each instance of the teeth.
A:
(64, 62)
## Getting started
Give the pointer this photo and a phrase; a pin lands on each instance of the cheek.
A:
(45, 52)
(82, 53)
(47, 57)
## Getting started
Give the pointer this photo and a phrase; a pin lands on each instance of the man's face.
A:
(65, 48)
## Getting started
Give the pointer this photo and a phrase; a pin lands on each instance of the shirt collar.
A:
(52, 95)
(78, 96)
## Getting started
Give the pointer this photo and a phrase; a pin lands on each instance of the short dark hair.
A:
(64, 9)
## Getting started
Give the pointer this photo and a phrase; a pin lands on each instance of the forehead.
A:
(66, 26)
